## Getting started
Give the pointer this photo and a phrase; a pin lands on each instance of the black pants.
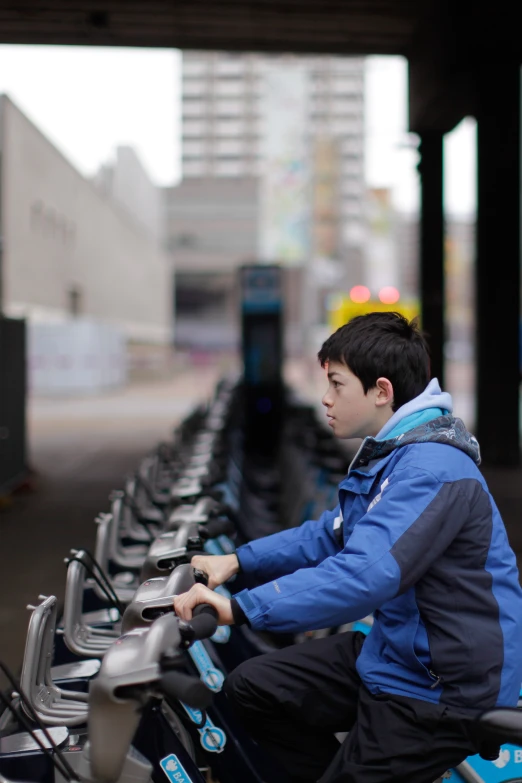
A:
(295, 700)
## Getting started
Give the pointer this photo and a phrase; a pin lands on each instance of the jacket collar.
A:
(443, 429)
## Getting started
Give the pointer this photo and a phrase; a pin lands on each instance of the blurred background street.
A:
(81, 449)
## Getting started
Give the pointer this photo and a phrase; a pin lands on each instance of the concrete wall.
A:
(67, 247)
(211, 224)
(211, 229)
(126, 181)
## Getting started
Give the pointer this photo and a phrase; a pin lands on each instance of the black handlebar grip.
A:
(183, 687)
(216, 527)
(200, 577)
(204, 621)
(232, 514)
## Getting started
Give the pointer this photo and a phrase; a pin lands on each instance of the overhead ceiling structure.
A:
(345, 26)
(441, 38)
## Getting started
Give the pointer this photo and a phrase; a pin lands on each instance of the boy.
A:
(417, 540)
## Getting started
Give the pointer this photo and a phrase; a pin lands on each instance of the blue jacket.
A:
(418, 540)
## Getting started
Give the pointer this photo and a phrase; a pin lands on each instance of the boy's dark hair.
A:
(382, 345)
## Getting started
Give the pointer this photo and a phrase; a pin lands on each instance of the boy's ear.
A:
(384, 392)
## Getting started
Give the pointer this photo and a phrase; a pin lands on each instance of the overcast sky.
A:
(89, 100)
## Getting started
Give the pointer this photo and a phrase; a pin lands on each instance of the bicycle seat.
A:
(54, 707)
(503, 724)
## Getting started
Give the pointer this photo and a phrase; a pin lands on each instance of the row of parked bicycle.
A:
(113, 686)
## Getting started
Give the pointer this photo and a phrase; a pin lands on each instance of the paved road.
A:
(80, 449)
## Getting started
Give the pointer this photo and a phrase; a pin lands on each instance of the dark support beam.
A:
(498, 261)
(432, 247)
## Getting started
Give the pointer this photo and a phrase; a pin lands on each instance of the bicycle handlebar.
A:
(183, 687)
(222, 526)
(204, 621)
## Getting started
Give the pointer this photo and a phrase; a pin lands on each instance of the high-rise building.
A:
(223, 122)
(217, 218)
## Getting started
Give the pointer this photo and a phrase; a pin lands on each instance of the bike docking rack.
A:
(154, 599)
(121, 715)
(141, 664)
(120, 690)
(53, 706)
(84, 639)
(110, 554)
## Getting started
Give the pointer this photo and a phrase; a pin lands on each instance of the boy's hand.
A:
(185, 603)
(218, 568)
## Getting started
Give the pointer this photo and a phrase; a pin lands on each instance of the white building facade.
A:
(126, 182)
(231, 129)
(68, 250)
(224, 126)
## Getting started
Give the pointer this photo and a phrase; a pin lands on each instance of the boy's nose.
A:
(326, 401)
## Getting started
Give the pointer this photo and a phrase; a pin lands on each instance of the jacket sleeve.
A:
(299, 547)
(402, 533)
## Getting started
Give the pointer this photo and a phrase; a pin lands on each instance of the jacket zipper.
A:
(438, 679)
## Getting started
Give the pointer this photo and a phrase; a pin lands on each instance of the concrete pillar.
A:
(432, 247)
(498, 262)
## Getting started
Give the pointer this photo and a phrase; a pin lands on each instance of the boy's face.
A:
(352, 413)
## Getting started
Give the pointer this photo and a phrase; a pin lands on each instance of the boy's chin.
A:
(348, 435)
(345, 433)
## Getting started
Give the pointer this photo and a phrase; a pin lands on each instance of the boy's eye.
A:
(336, 384)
